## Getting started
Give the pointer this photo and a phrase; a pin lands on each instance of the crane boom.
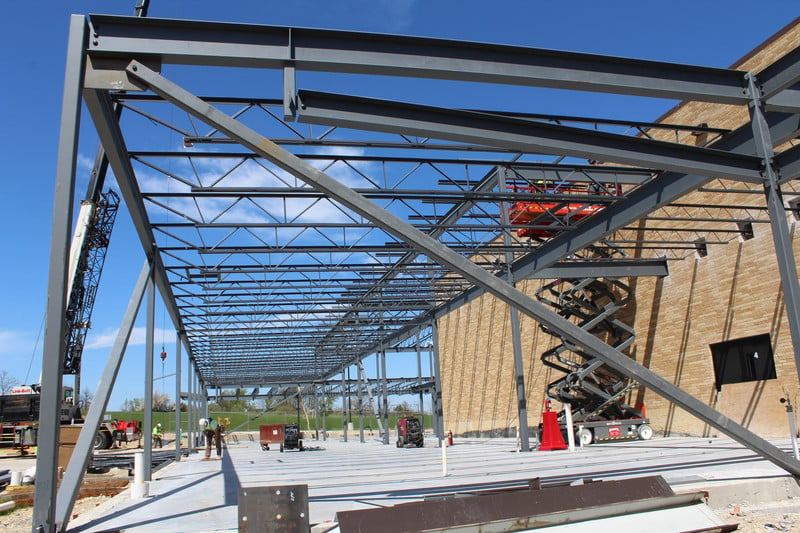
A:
(87, 255)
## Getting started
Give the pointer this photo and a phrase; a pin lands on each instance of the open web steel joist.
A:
(288, 250)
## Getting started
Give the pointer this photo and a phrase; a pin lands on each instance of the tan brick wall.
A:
(733, 292)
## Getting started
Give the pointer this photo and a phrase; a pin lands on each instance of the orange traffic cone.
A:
(551, 438)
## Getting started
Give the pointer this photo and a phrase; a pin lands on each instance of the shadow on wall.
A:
(713, 399)
(681, 359)
(647, 356)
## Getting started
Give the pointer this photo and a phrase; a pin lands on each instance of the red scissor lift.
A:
(595, 393)
(557, 204)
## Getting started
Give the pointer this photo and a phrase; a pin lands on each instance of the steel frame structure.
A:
(320, 245)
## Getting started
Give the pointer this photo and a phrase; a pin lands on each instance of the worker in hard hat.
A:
(158, 440)
(212, 430)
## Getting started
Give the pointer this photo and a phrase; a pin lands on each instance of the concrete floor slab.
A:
(195, 495)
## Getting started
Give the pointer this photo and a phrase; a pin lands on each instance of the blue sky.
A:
(32, 44)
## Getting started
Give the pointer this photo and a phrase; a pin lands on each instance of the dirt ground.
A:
(780, 516)
(20, 518)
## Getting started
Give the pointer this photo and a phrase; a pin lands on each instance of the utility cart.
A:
(286, 436)
(409, 433)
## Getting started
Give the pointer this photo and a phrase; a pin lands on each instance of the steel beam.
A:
(240, 45)
(780, 75)
(518, 134)
(55, 321)
(452, 260)
(104, 117)
(788, 164)
(68, 491)
(787, 101)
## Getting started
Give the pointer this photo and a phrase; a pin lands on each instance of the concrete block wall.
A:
(732, 292)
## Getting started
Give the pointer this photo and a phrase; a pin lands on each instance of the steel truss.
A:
(324, 243)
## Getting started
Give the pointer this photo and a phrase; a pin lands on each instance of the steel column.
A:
(419, 383)
(360, 408)
(344, 406)
(316, 412)
(73, 476)
(384, 396)
(192, 423)
(178, 355)
(781, 235)
(324, 413)
(516, 341)
(452, 260)
(437, 406)
(148, 378)
(54, 337)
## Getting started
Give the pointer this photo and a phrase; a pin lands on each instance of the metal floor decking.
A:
(195, 495)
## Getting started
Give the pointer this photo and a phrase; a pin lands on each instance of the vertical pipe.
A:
(148, 377)
(178, 355)
(570, 427)
(54, 337)
(344, 407)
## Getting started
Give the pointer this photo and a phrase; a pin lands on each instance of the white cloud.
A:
(17, 343)
(399, 14)
(106, 339)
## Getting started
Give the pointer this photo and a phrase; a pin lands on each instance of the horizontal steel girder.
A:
(523, 135)
(440, 253)
(240, 45)
(780, 75)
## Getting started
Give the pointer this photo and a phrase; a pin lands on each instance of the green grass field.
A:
(251, 422)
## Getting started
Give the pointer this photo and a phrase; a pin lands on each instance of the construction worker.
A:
(213, 432)
(158, 441)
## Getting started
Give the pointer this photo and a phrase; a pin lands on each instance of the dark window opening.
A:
(701, 247)
(741, 360)
(794, 207)
(745, 230)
